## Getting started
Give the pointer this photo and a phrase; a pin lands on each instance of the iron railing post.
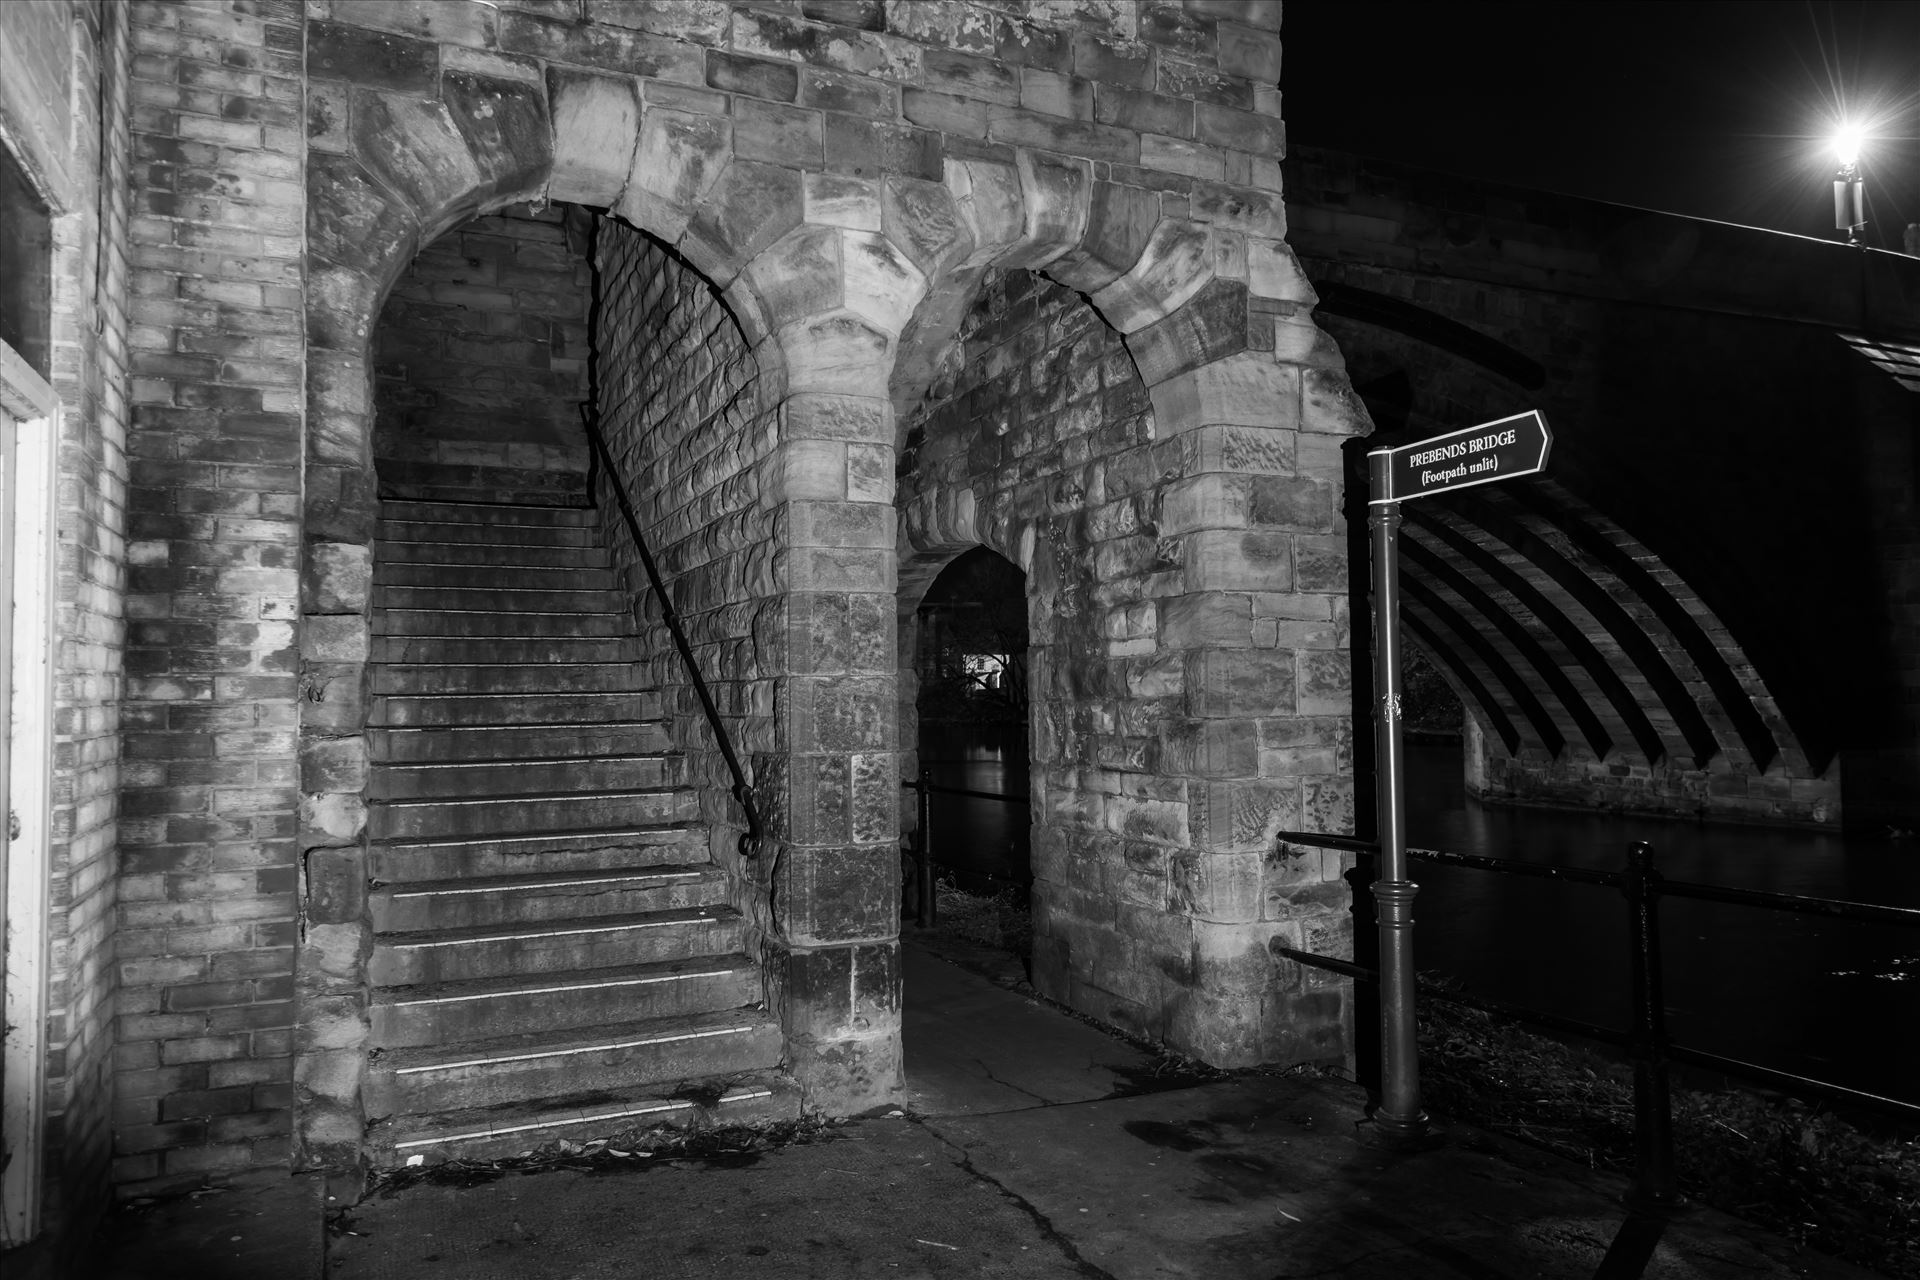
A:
(929, 903)
(1653, 1186)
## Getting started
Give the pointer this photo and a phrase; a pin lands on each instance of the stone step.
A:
(470, 649)
(395, 531)
(395, 710)
(578, 773)
(474, 623)
(490, 1133)
(507, 814)
(406, 678)
(498, 951)
(537, 898)
(493, 577)
(538, 515)
(517, 555)
(454, 743)
(449, 1012)
(494, 599)
(622, 1056)
(610, 849)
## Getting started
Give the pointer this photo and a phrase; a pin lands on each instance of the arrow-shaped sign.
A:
(1499, 450)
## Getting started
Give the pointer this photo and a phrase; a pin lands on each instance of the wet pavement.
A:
(1026, 1150)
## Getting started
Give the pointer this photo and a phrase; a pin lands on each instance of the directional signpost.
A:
(1495, 451)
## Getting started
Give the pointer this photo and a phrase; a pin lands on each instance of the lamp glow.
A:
(1847, 142)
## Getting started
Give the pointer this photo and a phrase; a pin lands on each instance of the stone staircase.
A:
(554, 956)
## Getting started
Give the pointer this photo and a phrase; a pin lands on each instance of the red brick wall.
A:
(480, 358)
(207, 917)
(71, 127)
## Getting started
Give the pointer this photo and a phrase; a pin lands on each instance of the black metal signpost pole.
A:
(1399, 1114)
(1491, 452)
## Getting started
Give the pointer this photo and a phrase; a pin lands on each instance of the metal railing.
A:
(1649, 1048)
(741, 791)
(927, 905)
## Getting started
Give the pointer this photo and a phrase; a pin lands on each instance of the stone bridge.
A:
(1708, 605)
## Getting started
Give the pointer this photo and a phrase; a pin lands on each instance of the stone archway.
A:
(1189, 574)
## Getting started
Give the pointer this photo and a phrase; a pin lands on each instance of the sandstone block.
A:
(779, 134)
(963, 75)
(1325, 683)
(596, 125)
(1301, 503)
(679, 158)
(837, 354)
(838, 200)
(755, 77)
(1230, 560)
(505, 126)
(831, 895)
(1120, 224)
(800, 275)
(416, 149)
(1274, 272)
(923, 219)
(376, 59)
(1329, 405)
(350, 220)
(964, 117)
(1175, 267)
(1144, 112)
(1241, 208)
(333, 764)
(1320, 564)
(333, 819)
(749, 208)
(337, 578)
(1246, 683)
(1242, 391)
(881, 285)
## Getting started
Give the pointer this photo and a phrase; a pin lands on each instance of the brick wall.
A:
(206, 918)
(1139, 722)
(65, 102)
(480, 357)
(686, 415)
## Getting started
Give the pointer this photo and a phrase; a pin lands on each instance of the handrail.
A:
(1647, 1041)
(741, 791)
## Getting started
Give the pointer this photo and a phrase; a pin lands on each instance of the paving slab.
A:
(246, 1227)
(1031, 1152)
(1273, 1178)
(884, 1198)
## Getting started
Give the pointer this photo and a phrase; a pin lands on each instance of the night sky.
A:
(1718, 110)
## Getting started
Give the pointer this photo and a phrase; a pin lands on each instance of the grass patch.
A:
(1790, 1167)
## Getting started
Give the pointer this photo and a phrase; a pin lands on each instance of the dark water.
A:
(1832, 999)
(981, 844)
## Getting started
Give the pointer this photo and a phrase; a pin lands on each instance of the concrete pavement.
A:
(1028, 1152)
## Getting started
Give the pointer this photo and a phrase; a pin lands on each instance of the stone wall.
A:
(688, 419)
(208, 913)
(1188, 676)
(64, 103)
(693, 423)
(480, 359)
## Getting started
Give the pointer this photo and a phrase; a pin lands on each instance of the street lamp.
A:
(1849, 193)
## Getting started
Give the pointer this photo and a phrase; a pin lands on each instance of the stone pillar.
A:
(833, 865)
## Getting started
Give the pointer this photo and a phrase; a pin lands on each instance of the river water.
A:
(1833, 999)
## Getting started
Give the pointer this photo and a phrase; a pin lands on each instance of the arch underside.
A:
(1573, 645)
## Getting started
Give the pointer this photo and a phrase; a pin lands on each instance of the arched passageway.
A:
(970, 689)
